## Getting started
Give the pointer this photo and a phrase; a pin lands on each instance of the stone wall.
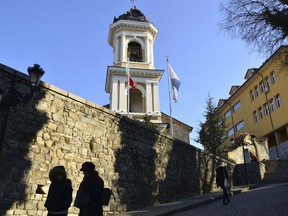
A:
(254, 173)
(264, 172)
(141, 166)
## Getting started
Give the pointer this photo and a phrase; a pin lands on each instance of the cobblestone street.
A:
(269, 200)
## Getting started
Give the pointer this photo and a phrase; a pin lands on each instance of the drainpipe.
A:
(232, 120)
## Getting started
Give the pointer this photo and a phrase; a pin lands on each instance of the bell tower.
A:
(132, 38)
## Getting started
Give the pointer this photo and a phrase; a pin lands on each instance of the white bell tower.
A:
(132, 37)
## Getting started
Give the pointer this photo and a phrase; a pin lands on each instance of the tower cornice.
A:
(134, 72)
(133, 25)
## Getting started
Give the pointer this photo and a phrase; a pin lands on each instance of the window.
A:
(239, 125)
(228, 113)
(273, 77)
(230, 132)
(256, 90)
(260, 112)
(278, 101)
(233, 91)
(236, 106)
(255, 116)
(250, 74)
(267, 82)
(262, 87)
(135, 52)
(266, 109)
(221, 122)
(272, 105)
(251, 95)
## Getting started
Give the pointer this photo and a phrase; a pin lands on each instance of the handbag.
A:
(106, 195)
(82, 198)
(226, 183)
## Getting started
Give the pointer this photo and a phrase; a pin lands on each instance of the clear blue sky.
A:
(69, 40)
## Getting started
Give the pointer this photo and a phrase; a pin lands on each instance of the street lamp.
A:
(35, 73)
(13, 97)
(245, 164)
(244, 158)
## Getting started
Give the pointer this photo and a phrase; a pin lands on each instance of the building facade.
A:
(260, 106)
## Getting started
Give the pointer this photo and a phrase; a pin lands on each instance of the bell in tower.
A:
(134, 52)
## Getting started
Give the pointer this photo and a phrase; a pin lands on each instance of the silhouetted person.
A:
(221, 174)
(92, 185)
(60, 192)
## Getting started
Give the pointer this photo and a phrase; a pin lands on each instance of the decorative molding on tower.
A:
(132, 37)
(137, 73)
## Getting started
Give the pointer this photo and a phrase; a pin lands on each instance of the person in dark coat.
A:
(92, 185)
(221, 174)
(60, 192)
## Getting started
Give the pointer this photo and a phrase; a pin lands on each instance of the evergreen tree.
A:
(212, 133)
(148, 122)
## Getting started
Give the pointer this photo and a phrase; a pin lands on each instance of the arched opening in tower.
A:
(135, 52)
(136, 101)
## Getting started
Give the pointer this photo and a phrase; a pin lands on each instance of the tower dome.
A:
(134, 14)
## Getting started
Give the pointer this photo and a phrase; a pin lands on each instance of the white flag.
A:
(175, 82)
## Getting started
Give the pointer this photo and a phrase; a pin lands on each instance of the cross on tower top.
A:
(133, 3)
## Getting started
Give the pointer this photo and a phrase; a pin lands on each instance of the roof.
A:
(233, 89)
(131, 20)
(246, 139)
(134, 14)
(188, 127)
(221, 102)
(250, 73)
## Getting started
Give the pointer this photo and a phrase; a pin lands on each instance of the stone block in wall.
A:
(32, 212)
(29, 205)
(7, 213)
(40, 205)
(20, 212)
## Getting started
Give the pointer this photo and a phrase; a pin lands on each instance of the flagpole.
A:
(169, 90)
(128, 86)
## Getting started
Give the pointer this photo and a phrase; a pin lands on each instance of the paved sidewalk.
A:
(171, 208)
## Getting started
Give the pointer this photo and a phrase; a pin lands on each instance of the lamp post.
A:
(245, 164)
(244, 158)
(13, 97)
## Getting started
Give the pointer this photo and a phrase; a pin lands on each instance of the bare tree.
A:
(261, 24)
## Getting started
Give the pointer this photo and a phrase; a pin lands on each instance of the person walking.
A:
(221, 177)
(59, 196)
(91, 186)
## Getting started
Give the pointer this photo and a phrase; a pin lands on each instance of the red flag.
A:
(132, 83)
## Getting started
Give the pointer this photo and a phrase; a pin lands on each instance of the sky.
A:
(69, 39)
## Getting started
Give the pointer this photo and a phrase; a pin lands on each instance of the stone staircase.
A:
(266, 172)
(276, 171)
